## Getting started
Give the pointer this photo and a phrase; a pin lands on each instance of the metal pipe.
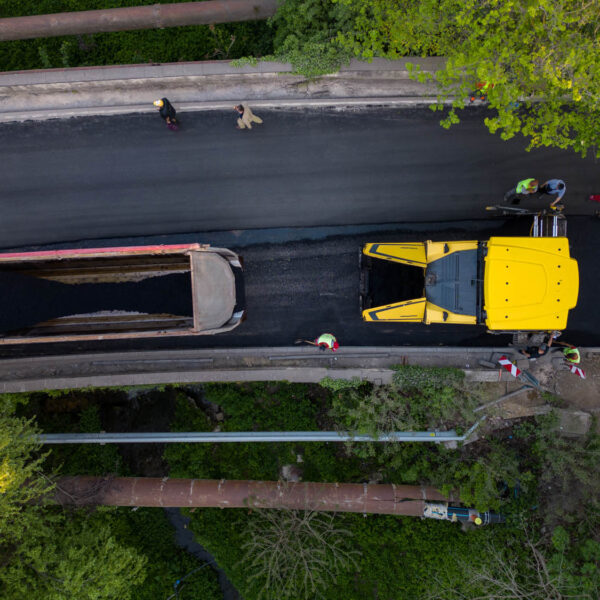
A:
(502, 398)
(388, 499)
(193, 437)
(157, 16)
(473, 428)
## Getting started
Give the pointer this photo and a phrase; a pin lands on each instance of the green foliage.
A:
(91, 459)
(305, 32)
(399, 557)
(44, 554)
(202, 42)
(149, 531)
(111, 554)
(396, 28)
(55, 554)
(46, 64)
(479, 476)
(80, 559)
(570, 467)
(244, 61)
(336, 385)
(417, 399)
(78, 412)
(526, 566)
(421, 399)
(432, 378)
(64, 53)
(541, 56)
(296, 554)
(257, 407)
(23, 488)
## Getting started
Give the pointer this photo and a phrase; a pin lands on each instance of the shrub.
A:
(296, 554)
(305, 35)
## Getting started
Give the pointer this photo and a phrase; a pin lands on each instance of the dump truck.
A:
(119, 293)
(509, 284)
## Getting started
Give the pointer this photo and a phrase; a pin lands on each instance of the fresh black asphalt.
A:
(104, 177)
(301, 288)
(72, 182)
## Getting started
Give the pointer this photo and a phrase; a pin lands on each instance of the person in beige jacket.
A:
(246, 117)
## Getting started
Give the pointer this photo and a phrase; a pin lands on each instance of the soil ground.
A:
(574, 392)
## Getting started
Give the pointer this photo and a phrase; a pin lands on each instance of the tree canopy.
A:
(48, 553)
(541, 58)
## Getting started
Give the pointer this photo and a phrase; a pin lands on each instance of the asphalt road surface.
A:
(304, 287)
(104, 177)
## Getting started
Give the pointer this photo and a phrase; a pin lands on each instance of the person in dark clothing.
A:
(535, 351)
(167, 112)
(553, 187)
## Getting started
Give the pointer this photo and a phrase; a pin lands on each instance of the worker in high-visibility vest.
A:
(327, 341)
(523, 188)
(571, 354)
(483, 87)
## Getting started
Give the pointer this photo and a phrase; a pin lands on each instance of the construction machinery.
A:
(508, 284)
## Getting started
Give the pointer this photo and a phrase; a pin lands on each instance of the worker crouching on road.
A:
(571, 354)
(246, 117)
(525, 187)
(553, 187)
(535, 351)
(168, 113)
(327, 341)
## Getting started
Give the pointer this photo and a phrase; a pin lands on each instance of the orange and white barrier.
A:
(577, 371)
(509, 366)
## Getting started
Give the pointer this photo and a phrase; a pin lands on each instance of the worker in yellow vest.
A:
(525, 187)
(327, 341)
(571, 354)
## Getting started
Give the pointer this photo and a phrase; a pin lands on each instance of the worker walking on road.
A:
(525, 187)
(246, 117)
(168, 113)
(326, 341)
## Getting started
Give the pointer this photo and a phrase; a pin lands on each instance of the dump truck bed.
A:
(124, 292)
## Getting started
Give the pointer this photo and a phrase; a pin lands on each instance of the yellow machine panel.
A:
(409, 254)
(529, 283)
(419, 254)
(435, 314)
(411, 311)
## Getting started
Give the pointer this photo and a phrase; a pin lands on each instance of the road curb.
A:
(211, 85)
(341, 103)
(294, 364)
